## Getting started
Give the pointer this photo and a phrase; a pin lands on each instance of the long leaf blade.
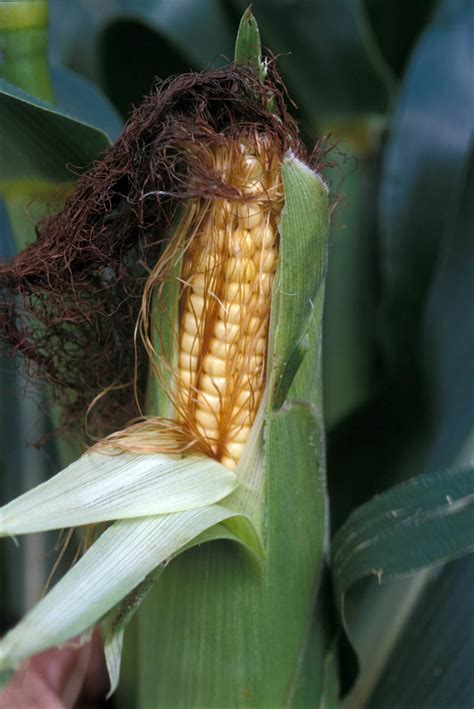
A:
(115, 564)
(100, 487)
(418, 524)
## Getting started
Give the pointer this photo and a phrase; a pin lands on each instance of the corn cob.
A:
(228, 272)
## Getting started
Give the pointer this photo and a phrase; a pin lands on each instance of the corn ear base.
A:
(217, 629)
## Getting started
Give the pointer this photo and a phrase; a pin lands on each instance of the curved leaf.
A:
(431, 665)
(423, 169)
(136, 42)
(332, 47)
(247, 45)
(302, 269)
(116, 563)
(416, 525)
(41, 142)
(447, 340)
(100, 487)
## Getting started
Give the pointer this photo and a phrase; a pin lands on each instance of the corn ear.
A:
(214, 630)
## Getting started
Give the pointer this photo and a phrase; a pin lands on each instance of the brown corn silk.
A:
(71, 302)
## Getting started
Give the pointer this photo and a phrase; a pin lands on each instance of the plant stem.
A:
(24, 47)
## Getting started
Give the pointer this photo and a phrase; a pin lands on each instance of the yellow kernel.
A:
(223, 214)
(221, 349)
(218, 239)
(264, 237)
(206, 418)
(239, 434)
(250, 214)
(188, 362)
(190, 323)
(187, 377)
(243, 415)
(196, 304)
(234, 450)
(260, 345)
(210, 435)
(253, 325)
(265, 283)
(240, 269)
(209, 402)
(241, 243)
(258, 305)
(215, 366)
(251, 364)
(234, 313)
(228, 462)
(209, 264)
(190, 343)
(255, 187)
(213, 385)
(245, 397)
(226, 331)
(199, 283)
(266, 259)
(236, 292)
(253, 167)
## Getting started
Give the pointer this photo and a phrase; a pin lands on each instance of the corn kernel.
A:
(214, 366)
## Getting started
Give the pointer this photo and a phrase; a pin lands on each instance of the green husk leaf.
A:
(117, 563)
(248, 49)
(100, 487)
(114, 625)
(303, 267)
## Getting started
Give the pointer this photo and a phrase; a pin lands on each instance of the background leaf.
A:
(423, 171)
(425, 672)
(39, 141)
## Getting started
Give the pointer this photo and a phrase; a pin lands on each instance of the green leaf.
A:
(116, 563)
(420, 523)
(404, 532)
(423, 171)
(110, 485)
(40, 142)
(317, 681)
(162, 39)
(349, 346)
(114, 625)
(327, 55)
(302, 270)
(447, 340)
(396, 26)
(247, 45)
(251, 624)
(23, 41)
(431, 665)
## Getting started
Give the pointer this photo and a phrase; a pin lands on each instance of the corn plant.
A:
(172, 304)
